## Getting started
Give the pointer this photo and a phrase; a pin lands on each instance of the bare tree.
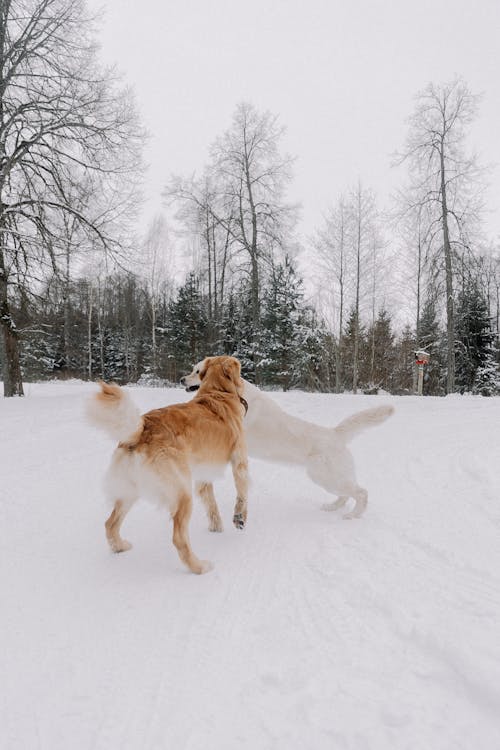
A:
(253, 175)
(63, 121)
(446, 181)
(332, 243)
(209, 223)
(362, 216)
(238, 208)
(157, 270)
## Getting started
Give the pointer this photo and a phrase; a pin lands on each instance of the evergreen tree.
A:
(314, 367)
(431, 339)
(239, 335)
(404, 367)
(348, 347)
(487, 378)
(382, 358)
(187, 325)
(281, 326)
(474, 339)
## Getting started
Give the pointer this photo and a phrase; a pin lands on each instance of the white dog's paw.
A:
(351, 515)
(328, 507)
(336, 504)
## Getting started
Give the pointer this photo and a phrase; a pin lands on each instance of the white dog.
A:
(274, 435)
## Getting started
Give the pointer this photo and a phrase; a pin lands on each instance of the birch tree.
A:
(332, 244)
(208, 221)
(157, 270)
(253, 175)
(362, 216)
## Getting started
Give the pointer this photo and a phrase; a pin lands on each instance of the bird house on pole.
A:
(421, 359)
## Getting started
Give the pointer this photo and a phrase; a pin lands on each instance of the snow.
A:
(310, 633)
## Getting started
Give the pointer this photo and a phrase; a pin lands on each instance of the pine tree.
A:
(187, 326)
(474, 340)
(238, 335)
(403, 380)
(381, 364)
(314, 366)
(431, 339)
(281, 326)
(348, 348)
(487, 378)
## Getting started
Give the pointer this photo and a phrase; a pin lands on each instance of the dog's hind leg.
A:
(336, 504)
(206, 491)
(181, 535)
(113, 525)
(239, 465)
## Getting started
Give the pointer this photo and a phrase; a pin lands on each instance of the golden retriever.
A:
(159, 453)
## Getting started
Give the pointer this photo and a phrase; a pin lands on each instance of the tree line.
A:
(107, 329)
(77, 299)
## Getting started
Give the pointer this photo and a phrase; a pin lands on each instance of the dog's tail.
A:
(113, 411)
(353, 425)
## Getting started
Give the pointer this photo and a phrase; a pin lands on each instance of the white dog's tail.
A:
(352, 426)
(113, 411)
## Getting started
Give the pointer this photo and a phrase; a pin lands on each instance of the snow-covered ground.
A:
(311, 633)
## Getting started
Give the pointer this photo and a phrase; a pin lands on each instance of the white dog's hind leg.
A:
(360, 495)
(206, 491)
(336, 504)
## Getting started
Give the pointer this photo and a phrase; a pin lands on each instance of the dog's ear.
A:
(204, 367)
(231, 368)
(109, 391)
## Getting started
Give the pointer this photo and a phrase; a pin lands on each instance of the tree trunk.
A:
(66, 311)
(89, 330)
(356, 309)
(12, 376)
(450, 309)
(339, 357)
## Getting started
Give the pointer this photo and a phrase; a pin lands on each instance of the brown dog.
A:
(159, 453)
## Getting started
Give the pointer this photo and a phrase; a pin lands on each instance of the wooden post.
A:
(421, 359)
(420, 383)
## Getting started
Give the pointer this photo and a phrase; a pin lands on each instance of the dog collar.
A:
(245, 404)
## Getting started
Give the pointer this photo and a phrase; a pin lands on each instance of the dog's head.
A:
(221, 373)
(192, 381)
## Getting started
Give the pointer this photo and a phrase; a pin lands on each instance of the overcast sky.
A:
(341, 75)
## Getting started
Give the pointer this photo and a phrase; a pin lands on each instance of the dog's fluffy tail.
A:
(353, 425)
(113, 411)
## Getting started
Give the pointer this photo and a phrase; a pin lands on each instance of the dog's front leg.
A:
(239, 464)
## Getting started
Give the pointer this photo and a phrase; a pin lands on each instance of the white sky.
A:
(341, 74)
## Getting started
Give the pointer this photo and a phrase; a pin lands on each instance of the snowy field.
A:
(311, 633)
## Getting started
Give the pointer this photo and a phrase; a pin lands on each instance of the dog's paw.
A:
(350, 516)
(205, 567)
(216, 526)
(335, 504)
(121, 546)
(328, 507)
(239, 520)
